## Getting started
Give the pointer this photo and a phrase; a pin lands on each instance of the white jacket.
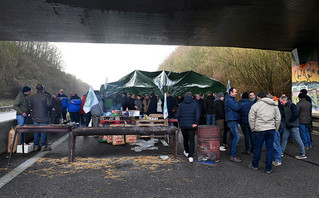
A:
(264, 115)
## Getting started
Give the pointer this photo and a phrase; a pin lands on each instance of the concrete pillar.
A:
(305, 73)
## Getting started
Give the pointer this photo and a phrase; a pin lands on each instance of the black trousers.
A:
(189, 141)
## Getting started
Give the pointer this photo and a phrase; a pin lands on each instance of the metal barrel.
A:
(208, 142)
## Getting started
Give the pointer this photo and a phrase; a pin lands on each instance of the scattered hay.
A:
(110, 166)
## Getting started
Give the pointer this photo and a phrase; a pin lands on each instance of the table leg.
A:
(14, 139)
(69, 147)
(22, 144)
(72, 146)
(175, 144)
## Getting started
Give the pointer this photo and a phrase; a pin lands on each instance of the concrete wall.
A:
(5, 127)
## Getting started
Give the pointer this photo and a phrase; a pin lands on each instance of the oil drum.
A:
(208, 142)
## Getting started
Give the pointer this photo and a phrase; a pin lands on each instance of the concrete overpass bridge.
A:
(287, 25)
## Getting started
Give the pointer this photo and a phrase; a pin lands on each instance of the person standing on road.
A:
(292, 126)
(56, 109)
(219, 108)
(304, 109)
(64, 101)
(245, 108)
(21, 105)
(74, 107)
(264, 121)
(40, 106)
(232, 109)
(188, 115)
(209, 108)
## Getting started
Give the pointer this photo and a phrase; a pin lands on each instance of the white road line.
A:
(18, 170)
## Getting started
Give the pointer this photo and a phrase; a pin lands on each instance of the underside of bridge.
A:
(263, 24)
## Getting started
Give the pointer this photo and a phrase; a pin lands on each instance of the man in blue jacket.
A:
(64, 101)
(74, 107)
(246, 104)
(232, 109)
(188, 116)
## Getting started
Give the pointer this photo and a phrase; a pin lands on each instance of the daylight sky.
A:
(93, 63)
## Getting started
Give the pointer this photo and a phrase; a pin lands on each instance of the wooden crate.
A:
(149, 123)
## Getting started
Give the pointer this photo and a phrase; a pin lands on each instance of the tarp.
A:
(162, 81)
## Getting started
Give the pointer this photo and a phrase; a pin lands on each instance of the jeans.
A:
(295, 131)
(305, 134)
(259, 138)
(22, 121)
(248, 136)
(277, 148)
(189, 141)
(43, 135)
(210, 118)
(64, 113)
(234, 137)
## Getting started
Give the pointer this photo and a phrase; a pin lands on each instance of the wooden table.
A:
(52, 128)
(134, 130)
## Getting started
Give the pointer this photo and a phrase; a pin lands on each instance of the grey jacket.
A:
(304, 108)
(264, 115)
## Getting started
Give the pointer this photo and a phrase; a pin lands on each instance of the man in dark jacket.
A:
(152, 108)
(209, 109)
(246, 104)
(232, 109)
(309, 126)
(201, 102)
(56, 109)
(188, 116)
(21, 105)
(304, 108)
(292, 126)
(64, 101)
(171, 105)
(219, 108)
(40, 106)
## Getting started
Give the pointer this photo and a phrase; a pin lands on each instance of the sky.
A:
(94, 63)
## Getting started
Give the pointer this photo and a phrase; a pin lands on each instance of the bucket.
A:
(208, 142)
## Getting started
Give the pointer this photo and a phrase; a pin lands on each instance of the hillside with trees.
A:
(247, 69)
(32, 63)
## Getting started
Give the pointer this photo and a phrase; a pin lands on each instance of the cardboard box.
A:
(27, 148)
(109, 139)
(130, 138)
(118, 139)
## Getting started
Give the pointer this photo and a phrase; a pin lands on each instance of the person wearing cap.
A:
(21, 105)
(291, 126)
(74, 107)
(219, 108)
(232, 116)
(304, 108)
(64, 101)
(264, 120)
(245, 108)
(209, 108)
(40, 106)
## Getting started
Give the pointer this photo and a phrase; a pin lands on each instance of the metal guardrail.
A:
(6, 108)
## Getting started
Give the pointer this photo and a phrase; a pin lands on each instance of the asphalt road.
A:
(103, 170)
(5, 116)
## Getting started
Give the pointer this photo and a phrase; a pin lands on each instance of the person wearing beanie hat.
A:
(264, 120)
(304, 109)
(21, 105)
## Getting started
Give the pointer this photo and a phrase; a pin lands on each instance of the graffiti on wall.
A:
(306, 76)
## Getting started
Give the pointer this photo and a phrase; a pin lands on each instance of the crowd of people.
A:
(265, 120)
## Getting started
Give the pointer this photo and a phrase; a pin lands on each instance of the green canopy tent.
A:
(160, 82)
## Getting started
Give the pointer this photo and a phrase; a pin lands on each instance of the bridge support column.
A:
(305, 73)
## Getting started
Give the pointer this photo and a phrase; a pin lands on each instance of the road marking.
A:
(22, 167)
